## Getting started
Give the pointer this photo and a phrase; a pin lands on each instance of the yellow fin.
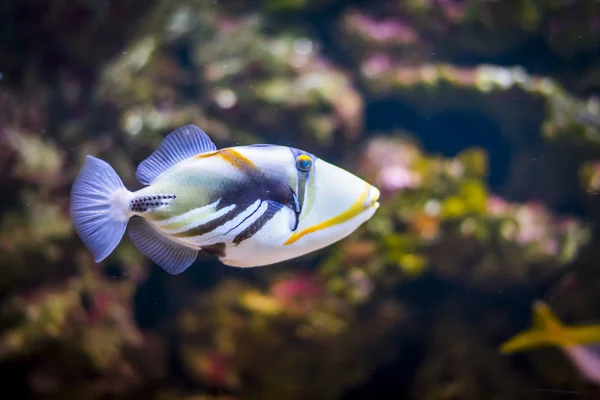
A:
(544, 318)
(526, 340)
(588, 334)
(548, 330)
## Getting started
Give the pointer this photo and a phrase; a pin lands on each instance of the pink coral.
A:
(533, 223)
(298, 293)
(385, 30)
(453, 9)
(389, 163)
(396, 177)
(376, 64)
(496, 205)
(99, 306)
(218, 369)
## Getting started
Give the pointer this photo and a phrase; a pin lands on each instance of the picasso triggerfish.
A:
(249, 205)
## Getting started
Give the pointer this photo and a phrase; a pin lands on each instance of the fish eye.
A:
(303, 163)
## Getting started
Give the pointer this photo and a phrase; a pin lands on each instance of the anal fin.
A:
(169, 255)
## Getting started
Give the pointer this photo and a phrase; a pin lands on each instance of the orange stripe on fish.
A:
(209, 154)
(237, 160)
(233, 157)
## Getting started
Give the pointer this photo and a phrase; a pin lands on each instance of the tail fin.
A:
(99, 207)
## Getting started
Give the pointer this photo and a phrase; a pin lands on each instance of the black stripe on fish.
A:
(302, 176)
(211, 225)
(272, 209)
(297, 209)
(144, 203)
(217, 249)
(255, 186)
(245, 219)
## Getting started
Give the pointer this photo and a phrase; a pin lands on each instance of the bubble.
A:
(303, 46)
(432, 207)
(226, 98)
(133, 121)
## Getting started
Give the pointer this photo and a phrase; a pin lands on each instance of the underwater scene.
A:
(300, 199)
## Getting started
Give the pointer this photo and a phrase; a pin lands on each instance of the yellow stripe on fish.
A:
(355, 209)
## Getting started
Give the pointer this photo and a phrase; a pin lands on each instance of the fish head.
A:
(334, 203)
(331, 202)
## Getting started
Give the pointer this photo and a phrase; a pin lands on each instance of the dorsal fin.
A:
(182, 143)
(544, 318)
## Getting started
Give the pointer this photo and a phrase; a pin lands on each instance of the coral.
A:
(42, 34)
(225, 334)
(459, 365)
(420, 29)
(565, 114)
(87, 323)
(442, 206)
(510, 97)
(360, 86)
(255, 82)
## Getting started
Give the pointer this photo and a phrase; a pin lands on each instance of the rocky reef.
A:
(479, 122)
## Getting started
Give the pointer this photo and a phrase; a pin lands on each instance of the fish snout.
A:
(372, 198)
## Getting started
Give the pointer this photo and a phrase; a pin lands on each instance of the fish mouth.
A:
(373, 197)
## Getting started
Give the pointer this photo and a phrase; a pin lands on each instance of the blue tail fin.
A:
(99, 207)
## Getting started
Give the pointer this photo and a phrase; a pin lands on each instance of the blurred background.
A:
(478, 120)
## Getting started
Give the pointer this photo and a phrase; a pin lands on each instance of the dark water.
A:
(492, 207)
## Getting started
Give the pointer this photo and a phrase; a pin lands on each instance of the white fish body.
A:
(250, 205)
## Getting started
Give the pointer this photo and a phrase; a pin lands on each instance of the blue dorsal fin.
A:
(182, 143)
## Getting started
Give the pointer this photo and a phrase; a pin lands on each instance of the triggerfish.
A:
(581, 344)
(248, 205)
